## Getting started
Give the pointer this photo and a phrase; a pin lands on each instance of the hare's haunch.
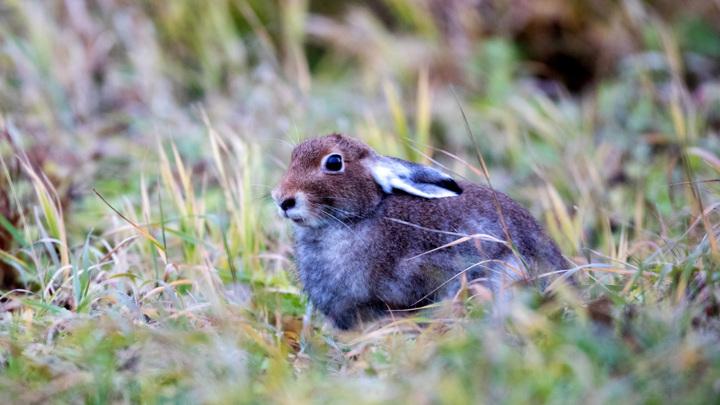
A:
(371, 231)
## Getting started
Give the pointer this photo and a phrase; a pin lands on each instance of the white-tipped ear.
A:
(412, 178)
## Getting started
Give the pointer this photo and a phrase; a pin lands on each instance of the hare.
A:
(375, 233)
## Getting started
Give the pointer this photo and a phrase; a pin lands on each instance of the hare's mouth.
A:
(297, 219)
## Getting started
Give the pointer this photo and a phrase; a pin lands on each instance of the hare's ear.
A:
(412, 178)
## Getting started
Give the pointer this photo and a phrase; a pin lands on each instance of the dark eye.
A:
(334, 163)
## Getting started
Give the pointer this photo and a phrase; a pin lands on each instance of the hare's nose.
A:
(287, 204)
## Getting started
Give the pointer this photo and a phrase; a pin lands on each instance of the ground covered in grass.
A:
(142, 260)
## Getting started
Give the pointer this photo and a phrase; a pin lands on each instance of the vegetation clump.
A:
(142, 259)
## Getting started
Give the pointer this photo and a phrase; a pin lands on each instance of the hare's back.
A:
(475, 211)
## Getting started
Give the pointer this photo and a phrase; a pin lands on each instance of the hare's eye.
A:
(333, 163)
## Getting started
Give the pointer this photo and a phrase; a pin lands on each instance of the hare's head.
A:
(334, 178)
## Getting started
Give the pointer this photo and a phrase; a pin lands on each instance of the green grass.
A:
(180, 287)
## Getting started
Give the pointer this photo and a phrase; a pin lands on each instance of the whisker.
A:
(297, 133)
(262, 198)
(336, 198)
(329, 215)
(284, 142)
(341, 211)
(323, 211)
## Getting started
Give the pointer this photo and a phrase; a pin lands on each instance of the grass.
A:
(140, 141)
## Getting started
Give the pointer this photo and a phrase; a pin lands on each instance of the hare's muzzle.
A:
(291, 206)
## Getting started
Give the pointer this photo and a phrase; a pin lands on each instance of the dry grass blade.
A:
(52, 210)
(165, 287)
(424, 113)
(118, 247)
(477, 236)
(487, 178)
(460, 274)
(142, 231)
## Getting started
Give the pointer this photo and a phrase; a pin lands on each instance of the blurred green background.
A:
(601, 117)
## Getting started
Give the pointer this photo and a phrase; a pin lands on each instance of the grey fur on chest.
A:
(333, 265)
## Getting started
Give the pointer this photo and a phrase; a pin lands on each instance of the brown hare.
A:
(371, 231)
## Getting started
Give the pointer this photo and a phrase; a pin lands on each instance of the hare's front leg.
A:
(346, 317)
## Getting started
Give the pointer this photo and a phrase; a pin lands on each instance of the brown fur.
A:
(357, 246)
